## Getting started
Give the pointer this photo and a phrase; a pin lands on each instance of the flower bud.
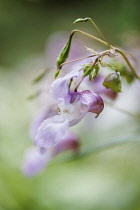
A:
(81, 20)
(88, 69)
(64, 52)
(57, 73)
(113, 81)
(94, 73)
(124, 72)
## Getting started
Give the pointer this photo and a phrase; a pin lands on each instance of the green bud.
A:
(124, 72)
(88, 69)
(94, 73)
(113, 81)
(64, 52)
(96, 70)
(81, 20)
(57, 73)
(91, 70)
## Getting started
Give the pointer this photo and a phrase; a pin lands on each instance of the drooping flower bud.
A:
(64, 52)
(113, 81)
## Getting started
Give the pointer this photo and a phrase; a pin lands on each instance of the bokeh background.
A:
(106, 179)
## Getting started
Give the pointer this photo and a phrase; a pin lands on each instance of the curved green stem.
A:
(91, 36)
(99, 32)
(90, 56)
(116, 49)
(110, 144)
(128, 63)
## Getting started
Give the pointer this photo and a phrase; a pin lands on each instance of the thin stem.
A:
(90, 56)
(91, 36)
(99, 32)
(116, 142)
(79, 84)
(128, 63)
(116, 49)
(112, 143)
(133, 57)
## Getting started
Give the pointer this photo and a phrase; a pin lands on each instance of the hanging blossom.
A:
(50, 129)
(72, 105)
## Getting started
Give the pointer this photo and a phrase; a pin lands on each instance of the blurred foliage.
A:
(26, 24)
(108, 180)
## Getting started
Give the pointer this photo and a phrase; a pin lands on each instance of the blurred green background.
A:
(107, 180)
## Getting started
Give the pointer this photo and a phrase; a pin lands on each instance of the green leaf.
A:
(113, 81)
(39, 77)
(34, 95)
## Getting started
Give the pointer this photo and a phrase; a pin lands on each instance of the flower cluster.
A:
(51, 129)
(75, 94)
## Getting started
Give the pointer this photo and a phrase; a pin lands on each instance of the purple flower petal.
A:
(60, 88)
(34, 162)
(92, 102)
(71, 108)
(36, 159)
(52, 131)
(43, 115)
